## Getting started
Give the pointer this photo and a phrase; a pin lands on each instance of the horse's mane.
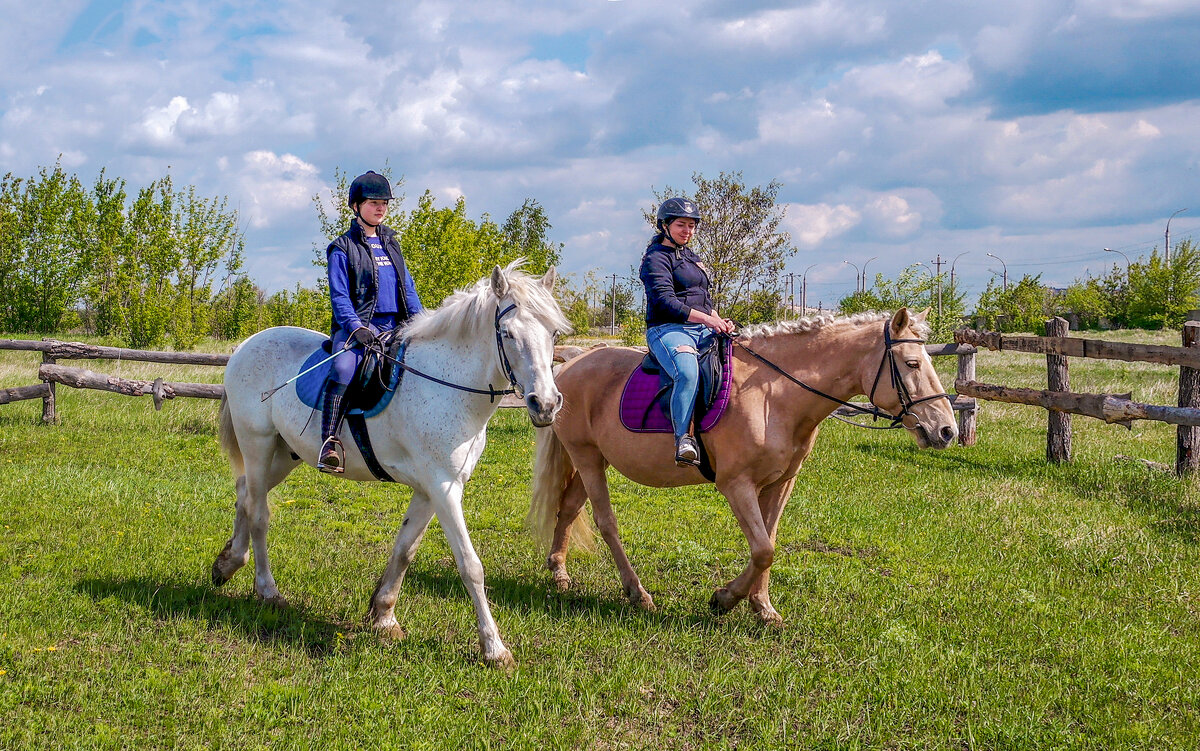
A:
(470, 313)
(820, 323)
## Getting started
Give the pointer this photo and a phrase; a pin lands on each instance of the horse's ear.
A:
(499, 282)
(919, 318)
(901, 320)
(548, 278)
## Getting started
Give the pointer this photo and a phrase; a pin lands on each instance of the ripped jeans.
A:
(665, 341)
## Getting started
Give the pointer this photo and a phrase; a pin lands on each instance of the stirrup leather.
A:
(333, 457)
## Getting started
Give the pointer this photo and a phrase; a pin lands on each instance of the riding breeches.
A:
(675, 346)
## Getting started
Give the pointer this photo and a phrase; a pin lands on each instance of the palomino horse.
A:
(757, 447)
(429, 436)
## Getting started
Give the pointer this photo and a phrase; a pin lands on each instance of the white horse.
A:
(429, 436)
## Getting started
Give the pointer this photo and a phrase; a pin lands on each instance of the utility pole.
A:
(790, 287)
(937, 262)
(613, 330)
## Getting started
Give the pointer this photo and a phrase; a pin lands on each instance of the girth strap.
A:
(358, 428)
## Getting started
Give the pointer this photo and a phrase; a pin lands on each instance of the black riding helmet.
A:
(676, 208)
(369, 186)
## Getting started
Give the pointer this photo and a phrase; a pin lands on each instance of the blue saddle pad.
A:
(310, 387)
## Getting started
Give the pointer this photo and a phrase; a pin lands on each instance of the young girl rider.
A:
(680, 317)
(371, 291)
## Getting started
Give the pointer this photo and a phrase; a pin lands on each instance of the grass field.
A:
(972, 598)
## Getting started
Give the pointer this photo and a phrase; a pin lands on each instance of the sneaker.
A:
(687, 454)
(331, 457)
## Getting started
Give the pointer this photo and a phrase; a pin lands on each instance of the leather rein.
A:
(907, 402)
(491, 392)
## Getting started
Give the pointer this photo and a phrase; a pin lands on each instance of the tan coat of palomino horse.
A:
(756, 448)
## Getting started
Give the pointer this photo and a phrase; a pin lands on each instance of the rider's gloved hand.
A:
(362, 335)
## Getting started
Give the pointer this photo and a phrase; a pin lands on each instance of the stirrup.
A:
(687, 454)
(332, 457)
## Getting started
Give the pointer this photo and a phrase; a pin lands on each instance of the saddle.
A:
(645, 406)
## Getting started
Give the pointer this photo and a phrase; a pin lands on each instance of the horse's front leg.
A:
(743, 500)
(771, 502)
(381, 613)
(448, 506)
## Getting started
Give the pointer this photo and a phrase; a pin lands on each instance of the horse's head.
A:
(528, 320)
(906, 384)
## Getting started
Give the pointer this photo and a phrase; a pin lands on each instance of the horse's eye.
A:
(914, 364)
(504, 333)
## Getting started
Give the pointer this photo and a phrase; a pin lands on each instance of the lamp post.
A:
(1167, 237)
(864, 270)
(804, 292)
(1005, 265)
(1110, 250)
(960, 255)
(856, 275)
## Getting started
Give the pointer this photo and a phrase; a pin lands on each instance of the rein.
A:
(902, 392)
(491, 392)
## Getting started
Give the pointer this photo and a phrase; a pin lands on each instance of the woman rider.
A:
(680, 317)
(371, 291)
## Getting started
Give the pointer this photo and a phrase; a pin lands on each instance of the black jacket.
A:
(363, 277)
(675, 284)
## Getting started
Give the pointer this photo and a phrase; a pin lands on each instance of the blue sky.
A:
(1040, 131)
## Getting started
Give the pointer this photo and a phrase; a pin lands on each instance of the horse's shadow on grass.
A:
(293, 625)
(1166, 500)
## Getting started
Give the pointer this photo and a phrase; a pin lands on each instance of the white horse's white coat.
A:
(429, 437)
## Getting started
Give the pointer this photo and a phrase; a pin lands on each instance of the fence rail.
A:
(1112, 408)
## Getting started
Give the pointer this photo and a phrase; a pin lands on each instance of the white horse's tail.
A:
(552, 472)
(229, 440)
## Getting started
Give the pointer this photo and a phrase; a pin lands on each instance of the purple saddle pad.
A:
(640, 415)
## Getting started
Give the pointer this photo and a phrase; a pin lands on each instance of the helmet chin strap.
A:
(358, 215)
(671, 236)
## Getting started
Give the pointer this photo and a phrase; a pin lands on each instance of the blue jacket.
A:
(353, 285)
(675, 284)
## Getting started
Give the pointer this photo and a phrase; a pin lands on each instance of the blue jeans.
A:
(345, 365)
(665, 341)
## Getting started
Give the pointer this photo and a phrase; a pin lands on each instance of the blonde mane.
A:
(820, 323)
(470, 313)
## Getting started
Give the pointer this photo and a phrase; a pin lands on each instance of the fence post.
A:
(1058, 430)
(967, 417)
(49, 408)
(1187, 458)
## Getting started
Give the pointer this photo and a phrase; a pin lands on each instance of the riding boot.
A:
(332, 458)
(687, 453)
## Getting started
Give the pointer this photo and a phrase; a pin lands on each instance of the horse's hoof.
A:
(641, 599)
(503, 661)
(722, 602)
(391, 632)
(277, 601)
(218, 576)
(770, 618)
(562, 582)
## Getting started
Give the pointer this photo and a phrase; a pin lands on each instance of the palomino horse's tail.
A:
(229, 440)
(552, 472)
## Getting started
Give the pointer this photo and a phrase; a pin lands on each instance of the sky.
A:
(1039, 131)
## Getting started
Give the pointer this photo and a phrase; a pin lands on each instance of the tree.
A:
(916, 290)
(739, 239)
(1025, 306)
(1161, 292)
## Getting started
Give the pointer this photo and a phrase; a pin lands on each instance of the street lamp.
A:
(960, 255)
(864, 270)
(1110, 250)
(804, 292)
(1005, 265)
(1167, 237)
(856, 275)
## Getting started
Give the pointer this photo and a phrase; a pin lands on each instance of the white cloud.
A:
(813, 224)
(276, 188)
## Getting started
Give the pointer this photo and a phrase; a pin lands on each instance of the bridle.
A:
(491, 392)
(906, 418)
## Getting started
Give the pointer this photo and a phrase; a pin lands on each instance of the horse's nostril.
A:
(947, 433)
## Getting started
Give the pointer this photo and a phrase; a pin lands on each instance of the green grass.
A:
(972, 598)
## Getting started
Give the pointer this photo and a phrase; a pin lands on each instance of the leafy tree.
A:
(916, 290)
(1025, 306)
(739, 238)
(1162, 292)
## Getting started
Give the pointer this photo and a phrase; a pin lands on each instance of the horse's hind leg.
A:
(382, 611)
(568, 510)
(594, 482)
(267, 464)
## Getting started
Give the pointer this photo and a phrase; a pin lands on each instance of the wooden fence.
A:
(52, 373)
(1111, 408)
